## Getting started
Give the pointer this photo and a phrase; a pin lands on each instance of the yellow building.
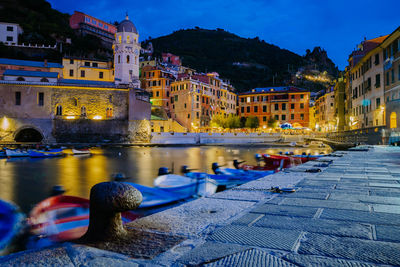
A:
(84, 69)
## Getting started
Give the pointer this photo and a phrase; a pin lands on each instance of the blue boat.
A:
(201, 185)
(155, 197)
(11, 225)
(46, 153)
(245, 174)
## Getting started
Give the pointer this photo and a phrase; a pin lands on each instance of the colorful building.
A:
(86, 69)
(284, 104)
(86, 24)
(391, 81)
(29, 65)
(324, 113)
(365, 85)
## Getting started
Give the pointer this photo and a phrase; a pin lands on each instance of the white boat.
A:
(85, 151)
(186, 186)
(10, 153)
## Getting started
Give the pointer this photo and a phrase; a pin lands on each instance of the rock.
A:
(107, 201)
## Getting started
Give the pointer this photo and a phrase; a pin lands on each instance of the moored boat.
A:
(10, 153)
(186, 186)
(62, 218)
(83, 151)
(45, 153)
(11, 226)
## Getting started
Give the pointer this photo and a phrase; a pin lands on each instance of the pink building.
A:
(87, 24)
(171, 58)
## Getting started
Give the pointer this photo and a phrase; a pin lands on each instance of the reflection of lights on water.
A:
(5, 124)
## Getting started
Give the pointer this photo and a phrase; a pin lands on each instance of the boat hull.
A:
(46, 154)
(11, 225)
(11, 153)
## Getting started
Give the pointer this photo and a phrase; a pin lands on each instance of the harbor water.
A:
(27, 181)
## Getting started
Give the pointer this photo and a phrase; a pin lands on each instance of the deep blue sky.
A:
(335, 25)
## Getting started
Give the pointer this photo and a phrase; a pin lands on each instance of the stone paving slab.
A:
(303, 194)
(242, 194)
(285, 210)
(193, 217)
(388, 233)
(386, 208)
(384, 193)
(251, 257)
(351, 248)
(209, 252)
(361, 216)
(345, 205)
(396, 185)
(257, 236)
(366, 199)
(330, 227)
(311, 260)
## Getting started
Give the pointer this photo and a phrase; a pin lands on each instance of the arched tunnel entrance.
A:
(29, 135)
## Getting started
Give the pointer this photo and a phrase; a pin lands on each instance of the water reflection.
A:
(28, 181)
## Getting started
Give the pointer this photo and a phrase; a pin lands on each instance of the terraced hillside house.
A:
(286, 104)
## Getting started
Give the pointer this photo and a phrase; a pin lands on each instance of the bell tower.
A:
(126, 54)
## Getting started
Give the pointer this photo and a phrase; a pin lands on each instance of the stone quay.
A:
(348, 214)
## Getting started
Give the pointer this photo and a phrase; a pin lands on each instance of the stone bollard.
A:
(107, 201)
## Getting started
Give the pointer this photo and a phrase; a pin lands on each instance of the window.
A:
(9, 38)
(301, 96)
(291, 106)
(83, 111)
(101, 75)
(277, 117)
(392, 75)
(59, 110)
(119, 59)
(128, 39)
(283, 117)
(10, 28)
(376, 59)
(109, 113)
(128, 59)
(119, 39)
(276, 106)
(301, 105)
(292, 116)
(387, 78)
(242, 109)
(44, 80)
(248, 109)
(255, 109)
(188, 116)
(264, 118)
(283, 106)
(292, 96)
(82, 73)
(158, 94)
(302, 116)
(393, 120)
(71, 61)
(176, 98)
(264, 108)
(87, 64)
(185, 105)
(378, 102)
(75, 101)
(95, 64)
(71, 73)
(17, 98)
(398, 70)
(377, 80)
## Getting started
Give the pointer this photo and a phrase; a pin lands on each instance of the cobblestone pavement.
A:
(346, 215)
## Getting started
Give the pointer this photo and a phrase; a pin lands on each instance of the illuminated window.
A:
(393, 120)
(128, 39)
(119, 39)
(109, 112)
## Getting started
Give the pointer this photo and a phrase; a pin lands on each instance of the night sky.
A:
(337, 26)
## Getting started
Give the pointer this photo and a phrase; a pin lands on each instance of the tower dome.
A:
(126, 26)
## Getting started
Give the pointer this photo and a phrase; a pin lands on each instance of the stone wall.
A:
(371, 136)
(10, 127)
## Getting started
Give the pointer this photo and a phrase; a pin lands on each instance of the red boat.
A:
(281, 161)
(63, 218)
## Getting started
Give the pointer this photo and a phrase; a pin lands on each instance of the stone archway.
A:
(28, 134)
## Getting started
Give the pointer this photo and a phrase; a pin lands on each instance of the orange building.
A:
(156, 80)
(284, 104)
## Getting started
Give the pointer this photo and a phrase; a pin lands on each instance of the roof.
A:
(29, 63)
(279, 89)
(86, 82)
(28, 73)
(126, 26)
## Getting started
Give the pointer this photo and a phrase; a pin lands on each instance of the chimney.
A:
(45, 63)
